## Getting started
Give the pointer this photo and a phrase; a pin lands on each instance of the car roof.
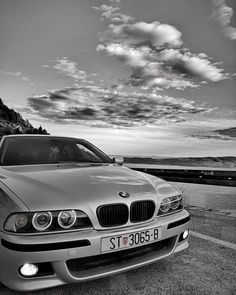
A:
(38, 135)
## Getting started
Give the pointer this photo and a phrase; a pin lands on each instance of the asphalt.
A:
(210, 197)
(208, 267)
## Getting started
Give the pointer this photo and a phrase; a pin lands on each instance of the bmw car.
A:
(69, 213)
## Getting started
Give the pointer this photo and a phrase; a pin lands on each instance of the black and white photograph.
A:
(118, 147)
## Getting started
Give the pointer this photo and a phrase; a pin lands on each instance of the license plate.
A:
(130, 240)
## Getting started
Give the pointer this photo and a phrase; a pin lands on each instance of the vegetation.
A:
(12, 122)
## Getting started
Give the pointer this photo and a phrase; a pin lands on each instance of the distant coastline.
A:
(213, 162)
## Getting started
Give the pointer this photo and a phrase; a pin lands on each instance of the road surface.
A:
(210, 197)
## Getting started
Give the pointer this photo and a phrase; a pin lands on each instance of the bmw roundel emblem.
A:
(124, 194)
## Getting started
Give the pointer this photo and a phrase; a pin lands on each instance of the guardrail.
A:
(203, 175)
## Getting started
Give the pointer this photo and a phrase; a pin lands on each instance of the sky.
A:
(134, 77)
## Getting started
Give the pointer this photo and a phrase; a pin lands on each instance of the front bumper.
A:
(69, 255)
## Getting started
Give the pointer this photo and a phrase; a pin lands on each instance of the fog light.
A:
(28, 270)
(185, 234)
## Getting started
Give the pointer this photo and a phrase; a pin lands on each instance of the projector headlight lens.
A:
(175, 202)
(42, 220)
(67, 218)
(165, 205)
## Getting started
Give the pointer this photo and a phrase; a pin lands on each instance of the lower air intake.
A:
(118, 257)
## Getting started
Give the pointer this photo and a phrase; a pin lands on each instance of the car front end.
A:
(67, 223)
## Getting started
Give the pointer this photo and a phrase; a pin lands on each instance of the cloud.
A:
(97, 106)
(112, 14)
(166, 83)
(208, 128)
(192, 64)
(158, 34)
(230, 32)
(224, 14)
(147, 70)
(166, 68)
(131, 56)
(70, 68)
(17, 74)
(212, 135)
(156, 57)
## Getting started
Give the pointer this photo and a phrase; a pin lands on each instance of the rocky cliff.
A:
(11, 122)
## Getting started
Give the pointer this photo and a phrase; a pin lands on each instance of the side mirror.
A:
(118, 160)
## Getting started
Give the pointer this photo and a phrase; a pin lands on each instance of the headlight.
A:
(67, 219)
(53, 221)
(42, 220)
(170, 205)
(21, 220)
(165, 205)
(175, 202)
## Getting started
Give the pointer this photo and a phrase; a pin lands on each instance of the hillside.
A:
(227, 162)
(12, 122)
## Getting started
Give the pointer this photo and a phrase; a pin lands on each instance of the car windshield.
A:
(30, 150)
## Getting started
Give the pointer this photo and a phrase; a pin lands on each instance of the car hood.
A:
(84, 187)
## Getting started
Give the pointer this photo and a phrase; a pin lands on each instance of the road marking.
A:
(213, 240)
